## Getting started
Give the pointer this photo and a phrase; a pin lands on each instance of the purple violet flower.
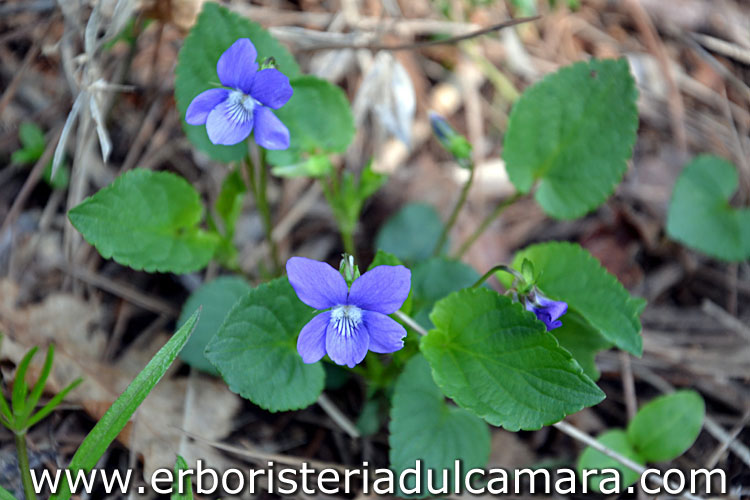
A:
(356, 319)
(230, 114)
(548, 311)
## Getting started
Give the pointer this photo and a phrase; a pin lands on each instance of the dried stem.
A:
(410, 322)
(628, 385)
(656, 46)
(338, 417)
(428, 43)
(584, 438)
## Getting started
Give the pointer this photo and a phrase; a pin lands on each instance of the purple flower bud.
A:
(548, 311)
(231, 113)
(440, 127)
(452, 141)
(355, 319)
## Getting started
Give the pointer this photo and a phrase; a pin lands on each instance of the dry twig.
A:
(337, 416)
(581, 436)
(655, 45)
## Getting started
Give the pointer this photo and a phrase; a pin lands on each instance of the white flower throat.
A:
(240, 106)
(346, 319)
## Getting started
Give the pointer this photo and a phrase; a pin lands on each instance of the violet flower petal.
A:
(555, 308)
(311, 344)
(223, 130)
(203, 104)
(237, 67)
(385, 333)
(272, 88)
(270, 133)
(548, 314)
(347, 350)
(316, 283)
(382, 289)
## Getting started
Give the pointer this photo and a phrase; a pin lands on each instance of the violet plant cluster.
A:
(503, 351)
(355, 320)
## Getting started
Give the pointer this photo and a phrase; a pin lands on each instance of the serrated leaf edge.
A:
(161, 268)
(638, 303)
(606, 192)
(485, 416)
(232, 386)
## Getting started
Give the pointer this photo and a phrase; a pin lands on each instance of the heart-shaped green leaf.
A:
(424, 427)
(434, 279)
(666, 427)
(591, 459)
(573, 133)
(216, 298)
(582, 341)
(494, 358)
(319, 119)
(147, 220)
(411, 233)
(256, 349)
(700, 215)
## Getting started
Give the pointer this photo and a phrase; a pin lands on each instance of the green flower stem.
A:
(266, 212)
(410, 322)
(375, 371)
(347, 238)
(485, 224)
(454, 215)
(499, 267)
(501, 82)
(258, 186)
(23, 465)
(332, 193)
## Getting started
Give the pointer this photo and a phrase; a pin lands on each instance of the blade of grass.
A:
(20, 389)
(5, 415)
(36, 391)
(5, 409)
(118, 415)
(51, 404)
(5, 494)
(187, 487)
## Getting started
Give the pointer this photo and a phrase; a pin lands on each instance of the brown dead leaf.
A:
(509, 451)
(199, 404)
(181, 13)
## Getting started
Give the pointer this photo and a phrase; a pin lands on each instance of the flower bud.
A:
(268, 62)
(453, 142)
(348, 270)
(547, 311)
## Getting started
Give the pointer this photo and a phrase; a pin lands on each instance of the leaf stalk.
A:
(454, 214)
